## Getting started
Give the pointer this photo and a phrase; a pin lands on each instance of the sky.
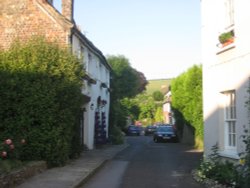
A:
(161, 38)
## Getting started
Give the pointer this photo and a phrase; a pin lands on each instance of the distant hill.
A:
(158, 85)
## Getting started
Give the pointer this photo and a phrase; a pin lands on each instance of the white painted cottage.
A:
(226, 73)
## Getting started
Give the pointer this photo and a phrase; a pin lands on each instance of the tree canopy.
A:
(126, 81)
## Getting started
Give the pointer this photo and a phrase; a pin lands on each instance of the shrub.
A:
(223, 172)
(40, 97)
(10, 149)
(116, 135)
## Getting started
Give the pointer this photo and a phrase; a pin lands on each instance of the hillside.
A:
(158, 85)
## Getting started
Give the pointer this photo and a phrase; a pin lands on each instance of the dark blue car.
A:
(165, 133)
(133, 130)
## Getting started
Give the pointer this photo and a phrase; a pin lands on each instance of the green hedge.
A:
(40, 98)
(187, 100)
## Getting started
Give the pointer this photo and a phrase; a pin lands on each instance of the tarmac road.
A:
(145, 164)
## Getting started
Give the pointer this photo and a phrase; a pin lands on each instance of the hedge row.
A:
(187, 100)
(40, 98)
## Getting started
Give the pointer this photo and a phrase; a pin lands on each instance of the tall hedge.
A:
(187, 100)
(40, 98)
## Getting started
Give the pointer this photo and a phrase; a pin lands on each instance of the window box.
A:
(226, 38)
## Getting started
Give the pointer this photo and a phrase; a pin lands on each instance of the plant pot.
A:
(229, 41)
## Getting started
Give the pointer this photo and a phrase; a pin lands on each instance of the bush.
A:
(116, 135)
(40, 97)
(223, 172)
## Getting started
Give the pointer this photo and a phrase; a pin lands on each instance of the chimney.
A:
(68, 9)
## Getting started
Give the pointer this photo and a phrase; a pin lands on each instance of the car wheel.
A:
(155, 140)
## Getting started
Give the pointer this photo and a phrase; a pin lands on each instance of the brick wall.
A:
(25, 18)
(67, 9)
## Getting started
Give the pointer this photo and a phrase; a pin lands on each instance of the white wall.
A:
(229, 70)
(97, 71)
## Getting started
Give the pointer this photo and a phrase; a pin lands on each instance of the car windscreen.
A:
(165, 129)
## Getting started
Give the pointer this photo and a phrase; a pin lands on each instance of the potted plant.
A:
(226, 38)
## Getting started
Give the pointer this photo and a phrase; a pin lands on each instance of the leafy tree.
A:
(40, 99)
(142, 82)
(159, 115)
(147, 108)
(131, 108)
(125, 80)
(126, 83)
(158, 96)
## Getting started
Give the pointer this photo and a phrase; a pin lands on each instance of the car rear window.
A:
(165, 129)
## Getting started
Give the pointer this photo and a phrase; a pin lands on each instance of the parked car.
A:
(165, 133)
(149, 130)
(133, 130)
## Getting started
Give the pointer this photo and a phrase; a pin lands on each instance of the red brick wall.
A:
(25, 18)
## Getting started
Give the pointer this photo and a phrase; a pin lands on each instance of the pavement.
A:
(76, 172)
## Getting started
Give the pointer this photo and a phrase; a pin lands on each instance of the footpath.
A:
(76, 172)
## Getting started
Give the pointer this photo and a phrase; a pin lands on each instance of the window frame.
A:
(230, 133)
(229, 14)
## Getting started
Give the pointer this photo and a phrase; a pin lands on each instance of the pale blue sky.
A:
(161, 38)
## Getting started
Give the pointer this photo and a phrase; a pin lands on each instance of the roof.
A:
(63, 21)
(91, 46)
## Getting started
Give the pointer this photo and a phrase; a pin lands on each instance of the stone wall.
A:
(17, 177)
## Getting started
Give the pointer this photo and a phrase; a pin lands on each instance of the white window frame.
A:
(229, 13)
(230, 120)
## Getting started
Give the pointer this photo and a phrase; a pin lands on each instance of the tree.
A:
(158, 96)
(147, 107)
(159, 115)
(126, 82)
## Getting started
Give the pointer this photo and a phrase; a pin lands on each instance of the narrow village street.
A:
(145, 164)
(77, 77)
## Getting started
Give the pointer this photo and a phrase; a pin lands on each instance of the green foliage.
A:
(224, 37)
(126, 83)
(187, 98)
(131, 108)
(147, 107)
(11, 149)
(116, 135)
(179, 121)
(158, 96)
(159, 115)
(8, 165)
(125, 80)
(40, 97)
(244, 177)
(224, 172)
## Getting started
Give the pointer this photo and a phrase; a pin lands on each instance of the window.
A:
(230, 120)
(229, 13)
